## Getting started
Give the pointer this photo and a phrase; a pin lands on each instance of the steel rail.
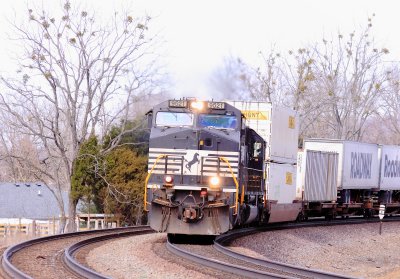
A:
(227, 267)
(225, 238)
(312, 273)
(81, 269)
(294, 271)
(14, 272)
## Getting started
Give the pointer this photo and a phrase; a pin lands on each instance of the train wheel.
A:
(367, 213)
(301, 217)
(328, 217)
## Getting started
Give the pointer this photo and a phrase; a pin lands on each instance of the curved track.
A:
(45, 257)
(265, 268)
(241, 271)
(79, 268)
(296, 271)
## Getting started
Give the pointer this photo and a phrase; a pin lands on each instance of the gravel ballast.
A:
(353, 250)
(143, 256)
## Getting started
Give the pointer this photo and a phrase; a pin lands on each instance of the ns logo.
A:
(191, 159)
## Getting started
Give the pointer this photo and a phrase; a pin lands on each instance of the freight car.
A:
(344, 178)
(209, 170)
(217, 165)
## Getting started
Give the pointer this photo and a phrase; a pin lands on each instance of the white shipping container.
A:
(358, 166)
(281, 182)
(390, 167)
(319, 171)
(299, 173)
(279, 128)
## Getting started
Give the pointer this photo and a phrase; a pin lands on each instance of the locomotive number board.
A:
(216, 105)
(177, 103)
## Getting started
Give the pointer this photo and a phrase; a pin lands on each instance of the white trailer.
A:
(281, 192)
(358, 163)
(299, 174)
(281, 182)
(278, 126)
(389, 167)
(318, 171)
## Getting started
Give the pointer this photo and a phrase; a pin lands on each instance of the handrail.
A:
(147, 180)
(145, 203)
(253, 169)
(234, 180)
(242, 196)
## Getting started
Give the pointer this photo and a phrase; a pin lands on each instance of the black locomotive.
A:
(205, 168)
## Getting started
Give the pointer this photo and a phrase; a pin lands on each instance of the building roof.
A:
(29, 200)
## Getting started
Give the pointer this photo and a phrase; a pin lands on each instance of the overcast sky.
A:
(199, 34)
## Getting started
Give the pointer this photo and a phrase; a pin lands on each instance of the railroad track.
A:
(48, 257)
(293, 271)
(252, 267)
(242, 270)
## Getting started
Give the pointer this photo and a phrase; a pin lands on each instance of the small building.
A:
(30, 201)
(27, 207)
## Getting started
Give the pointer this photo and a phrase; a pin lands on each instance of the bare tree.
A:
(237, 80)
(73, 72)
(389, 111)
(349, 78)
(17, 153)
(266, 83)
(335, 86)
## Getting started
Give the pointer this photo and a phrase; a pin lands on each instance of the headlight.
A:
(214, 181)
(197, 105)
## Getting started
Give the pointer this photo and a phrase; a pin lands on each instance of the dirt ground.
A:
(8, 240)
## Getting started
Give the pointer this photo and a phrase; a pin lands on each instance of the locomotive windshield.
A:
(167, 118)
(217, 121)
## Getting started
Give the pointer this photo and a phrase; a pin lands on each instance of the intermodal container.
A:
(318, 175)
(390, 167)
(358, 163)
(299, 173)
(277, 125)
(281, 182)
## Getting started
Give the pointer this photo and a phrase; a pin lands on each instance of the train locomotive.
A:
(205, 172)
(214, 166)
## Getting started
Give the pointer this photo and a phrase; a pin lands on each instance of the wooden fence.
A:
(52, 225)
(32, 227)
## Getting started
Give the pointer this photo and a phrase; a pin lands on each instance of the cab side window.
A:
(257, 149)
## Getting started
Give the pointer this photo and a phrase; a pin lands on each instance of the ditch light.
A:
(168, 180)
